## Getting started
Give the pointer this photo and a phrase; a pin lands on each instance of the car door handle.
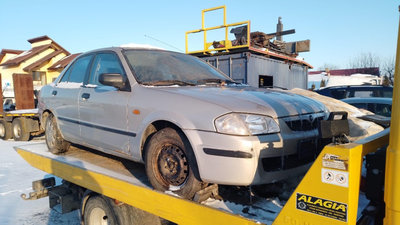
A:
(85, 96)
(54, 93)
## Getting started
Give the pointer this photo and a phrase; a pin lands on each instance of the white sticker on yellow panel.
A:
(335, 177)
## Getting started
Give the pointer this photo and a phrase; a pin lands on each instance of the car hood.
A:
(271, 102)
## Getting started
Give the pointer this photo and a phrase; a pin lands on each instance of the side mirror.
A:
(112, 79)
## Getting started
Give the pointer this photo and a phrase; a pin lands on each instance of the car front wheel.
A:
(171, 165)
(55, 143)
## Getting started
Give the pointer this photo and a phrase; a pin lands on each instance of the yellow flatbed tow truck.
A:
(109, 192)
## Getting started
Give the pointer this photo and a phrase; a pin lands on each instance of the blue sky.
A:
(339, 30)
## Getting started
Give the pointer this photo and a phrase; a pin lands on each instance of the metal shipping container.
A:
(260, 71)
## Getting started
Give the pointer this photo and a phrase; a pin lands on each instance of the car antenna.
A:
(162, 42)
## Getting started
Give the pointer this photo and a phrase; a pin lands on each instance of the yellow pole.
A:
(204, 30)
(186, 43)
(392, 177)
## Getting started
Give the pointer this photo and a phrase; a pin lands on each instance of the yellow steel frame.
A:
(169, 207)
(352, 154)
(312, 185)
(227, 43)
(17, 114)
(392, 178)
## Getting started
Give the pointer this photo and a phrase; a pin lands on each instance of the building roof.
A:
(348, 72)
(15, 61)
(40, 62)
(9, 51)
(45, 37)
(37, 39)
(62, 63)
(23, 56)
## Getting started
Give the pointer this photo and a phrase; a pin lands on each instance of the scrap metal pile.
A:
(271, 41)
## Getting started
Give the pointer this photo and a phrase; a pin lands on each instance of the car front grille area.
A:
(304, 124)
(307, 152)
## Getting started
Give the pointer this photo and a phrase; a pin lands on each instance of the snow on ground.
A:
(16, 178)
(264, 211)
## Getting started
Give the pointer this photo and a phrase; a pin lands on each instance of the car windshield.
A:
(162, 68)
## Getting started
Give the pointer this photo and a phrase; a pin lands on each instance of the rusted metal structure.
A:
(252, 57)
(23, 91)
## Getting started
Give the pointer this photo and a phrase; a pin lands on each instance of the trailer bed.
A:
(126, 181)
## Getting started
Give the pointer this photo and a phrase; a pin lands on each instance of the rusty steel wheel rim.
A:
(172, 165)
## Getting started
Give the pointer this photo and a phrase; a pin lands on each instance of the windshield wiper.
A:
(168, 82)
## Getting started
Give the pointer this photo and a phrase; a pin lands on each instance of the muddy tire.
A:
(5, 130)
(55, 142)
(102, 210)
(98, 211)
(171, 165)
(20, 131)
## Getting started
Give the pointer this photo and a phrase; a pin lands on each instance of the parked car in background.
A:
(8, 104)
(379, 106)
(357, 91)
(189, 123)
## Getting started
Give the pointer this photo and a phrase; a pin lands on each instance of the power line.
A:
(163, 42)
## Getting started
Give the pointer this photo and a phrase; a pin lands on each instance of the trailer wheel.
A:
(170, 164)
(98, 212)
(20, 130)
(55, 142)
(5, 130)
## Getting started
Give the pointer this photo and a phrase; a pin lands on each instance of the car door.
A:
(103, 109)
(64, 98)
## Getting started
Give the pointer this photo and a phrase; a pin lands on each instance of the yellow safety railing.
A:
(226, 43)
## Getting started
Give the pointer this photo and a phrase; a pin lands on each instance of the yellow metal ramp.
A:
(328, 194)
(127, 183)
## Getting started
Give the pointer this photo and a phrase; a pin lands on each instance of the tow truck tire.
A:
(55, 142)
(5, 130)
(100, 210)
(171, 165)
(20, 130)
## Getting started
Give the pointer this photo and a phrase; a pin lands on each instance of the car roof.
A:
(119, 49)
(368, 100)
(358, 87)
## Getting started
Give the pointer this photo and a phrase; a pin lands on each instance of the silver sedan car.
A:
(186, 121)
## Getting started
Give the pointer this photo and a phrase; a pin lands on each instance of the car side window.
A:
(360, 105)
(387, 94)
(383, 109)
(339, 94)
(66, 75)
(364, 94)
(77, 72)
(104, 63)
(371, 107)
